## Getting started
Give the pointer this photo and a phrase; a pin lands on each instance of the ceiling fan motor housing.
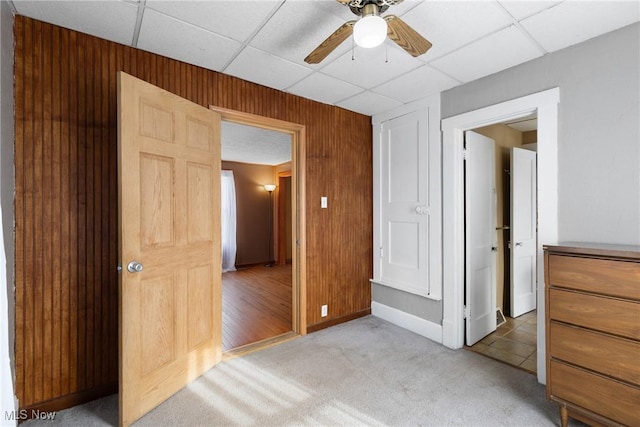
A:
(370, 7)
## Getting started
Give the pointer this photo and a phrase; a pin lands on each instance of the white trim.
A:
(430, 102)
(415, 324)
(546, 105)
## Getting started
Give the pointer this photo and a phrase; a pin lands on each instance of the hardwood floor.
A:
(256, 305)
(513, 343)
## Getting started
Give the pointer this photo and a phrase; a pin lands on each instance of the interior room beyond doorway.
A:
(519, 134)
(259, 290)
(514, 341)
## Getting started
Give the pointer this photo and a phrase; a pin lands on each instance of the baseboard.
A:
(415, 324)
(337, 320)
(69, 400)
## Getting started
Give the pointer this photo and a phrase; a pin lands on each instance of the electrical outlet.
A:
(323, 202)
(324, 310)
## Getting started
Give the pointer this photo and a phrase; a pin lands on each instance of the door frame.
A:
(545, 104)
(280, 223)
(298, 169)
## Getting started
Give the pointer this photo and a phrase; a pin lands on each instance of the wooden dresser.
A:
(593, 332)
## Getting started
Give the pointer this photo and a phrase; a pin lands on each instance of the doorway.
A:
(545, 105)
(263, 297)
(510, 332)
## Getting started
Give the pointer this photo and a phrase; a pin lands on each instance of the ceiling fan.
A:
(371, 30)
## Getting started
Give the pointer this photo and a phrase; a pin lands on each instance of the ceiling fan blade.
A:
(331, 42)
(405, 36)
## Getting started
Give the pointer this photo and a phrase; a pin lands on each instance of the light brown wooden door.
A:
(169, 212)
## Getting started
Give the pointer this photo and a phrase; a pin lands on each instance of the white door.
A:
(480, 231)
(523, 231)
(409, 203)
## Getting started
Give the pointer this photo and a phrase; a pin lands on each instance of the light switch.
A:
(323, 202)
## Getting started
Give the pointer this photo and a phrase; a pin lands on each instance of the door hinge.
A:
(381, 252)
(465, 311)
(464, 154)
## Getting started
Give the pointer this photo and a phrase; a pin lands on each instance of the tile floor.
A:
(513, 343)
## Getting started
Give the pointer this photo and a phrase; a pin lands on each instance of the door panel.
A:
(407, 198)
(523, 231)
(169, 212)
(480, 228)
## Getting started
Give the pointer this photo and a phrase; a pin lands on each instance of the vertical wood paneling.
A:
(66, 202)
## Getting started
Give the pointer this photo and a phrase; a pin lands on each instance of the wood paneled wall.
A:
(66, 202)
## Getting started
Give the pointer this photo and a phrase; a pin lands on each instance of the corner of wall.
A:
(8, 402)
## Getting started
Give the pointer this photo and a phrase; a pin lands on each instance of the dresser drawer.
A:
(607, 397)
(602, 276)
(616, 357)
(594, 312)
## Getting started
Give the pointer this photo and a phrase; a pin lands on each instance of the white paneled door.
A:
(523, 231)
(480, 230)
(169, 248)
(406, 204)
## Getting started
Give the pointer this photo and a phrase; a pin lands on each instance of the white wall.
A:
(598, 130)
(7, 186)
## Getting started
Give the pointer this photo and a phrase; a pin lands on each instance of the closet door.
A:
(409, 206)
(523, 231)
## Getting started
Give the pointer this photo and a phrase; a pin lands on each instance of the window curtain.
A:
(228, 205)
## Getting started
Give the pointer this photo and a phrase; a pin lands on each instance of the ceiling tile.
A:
(417, 84)
(111, 20)
(166, 36)
(369, 103)
(233, 19)
(372, 67)
(330, 7)
(299, 27)
(448, 25)
(573, 22)
(488, 55)
(265, 69)
(520, 9)
(323, 88)
(249, 144)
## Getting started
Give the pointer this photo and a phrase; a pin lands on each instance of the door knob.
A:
(518, 243)
(494, 249)
(135, 267)
(422, 210)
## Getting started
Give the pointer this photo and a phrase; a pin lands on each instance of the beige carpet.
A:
(365, 372)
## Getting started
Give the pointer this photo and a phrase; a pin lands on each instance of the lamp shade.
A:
(269, 187)
(370, 31)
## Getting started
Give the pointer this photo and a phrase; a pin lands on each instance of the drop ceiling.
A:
(266, 41)
(249, 144)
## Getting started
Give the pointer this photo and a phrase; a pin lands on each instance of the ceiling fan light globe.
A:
(370, 31)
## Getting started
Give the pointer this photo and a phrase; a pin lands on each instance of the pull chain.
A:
(353, 48)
